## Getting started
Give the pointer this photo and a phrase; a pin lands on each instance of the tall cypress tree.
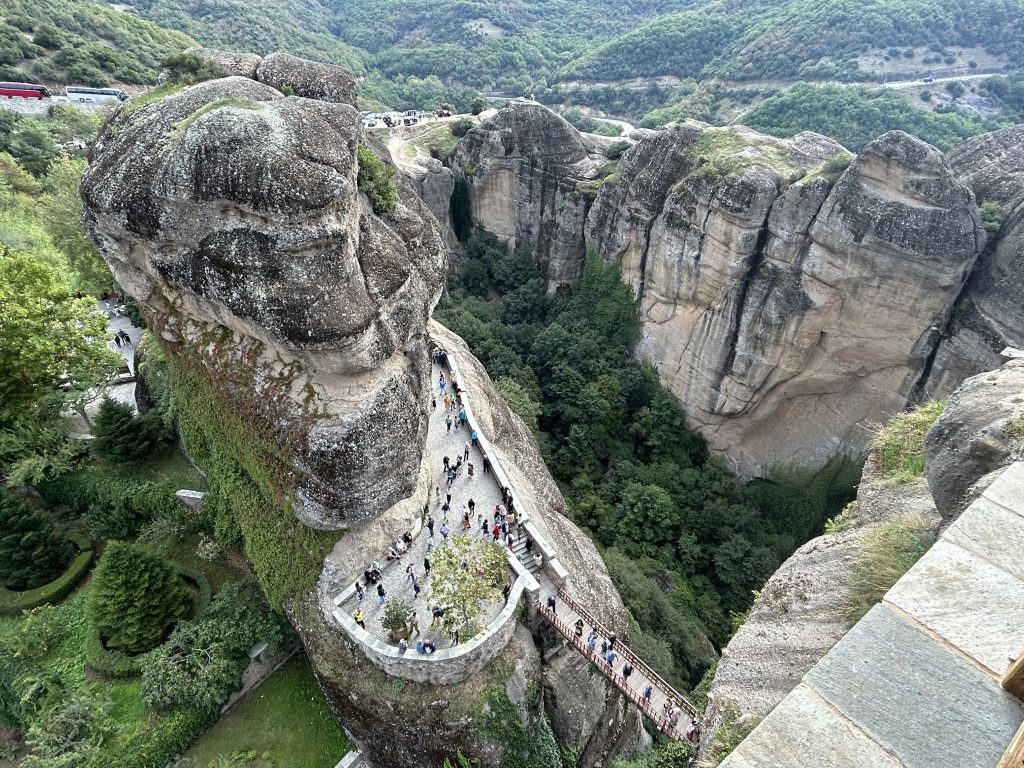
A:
(135, 597)
(31, 553)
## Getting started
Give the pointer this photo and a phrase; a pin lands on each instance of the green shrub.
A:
(13, 603)
(108, 663)
(898, 448)
(889, 551)
(732, 729)
(396, 616)
(31, 553)
(135, 597)
(460, 127)
(113, 505)
(203, 660)
(191, 68)
(478, 105)
(616, 150)
(375, 180)
(124, 437)
(992, 216)
(159, 745)
(70, 734)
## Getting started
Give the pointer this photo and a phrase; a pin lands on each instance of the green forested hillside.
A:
(75, 41)
(803, 39)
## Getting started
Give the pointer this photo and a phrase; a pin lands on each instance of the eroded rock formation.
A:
(790, 304)
(524, 168)
(232, 214)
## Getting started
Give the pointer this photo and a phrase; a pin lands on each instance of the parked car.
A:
(444, 113)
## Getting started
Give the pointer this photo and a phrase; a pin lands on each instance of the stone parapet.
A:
(445, 666)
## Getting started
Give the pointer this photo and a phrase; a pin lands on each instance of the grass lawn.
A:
(286, 721)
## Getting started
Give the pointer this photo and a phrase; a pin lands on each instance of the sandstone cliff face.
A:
(787, 313)
(523, 167)
(232, 214)
(789, 306)
(989, 315)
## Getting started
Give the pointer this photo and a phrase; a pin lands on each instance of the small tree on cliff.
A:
(465, 575)
(375, 180)
(135, 597)
(478, 105)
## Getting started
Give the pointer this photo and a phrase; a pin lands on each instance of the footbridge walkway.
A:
(536, 578)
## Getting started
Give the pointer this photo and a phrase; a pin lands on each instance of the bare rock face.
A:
(990, 313)
(787, 312)
(980, 431)
(308, 78)
(435, 183)
(524, 167)
(232, 214)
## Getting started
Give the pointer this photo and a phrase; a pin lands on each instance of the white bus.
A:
(81, 93)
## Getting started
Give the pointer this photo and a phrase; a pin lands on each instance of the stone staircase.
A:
(524, 557)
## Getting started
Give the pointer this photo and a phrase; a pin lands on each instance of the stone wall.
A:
(447, 665)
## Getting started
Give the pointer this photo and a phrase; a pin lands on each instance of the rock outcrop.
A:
(788, 304)
(527, 169)
(989, 315)
(787, 312)
(802, 610)
(980, 432)
(232, 214)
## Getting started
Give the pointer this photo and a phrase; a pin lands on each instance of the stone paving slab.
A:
(804, 731)
(916, 698)
(1008, 489)
(967, 601)
(993, 533)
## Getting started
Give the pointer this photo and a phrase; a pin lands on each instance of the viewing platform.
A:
(534, 580)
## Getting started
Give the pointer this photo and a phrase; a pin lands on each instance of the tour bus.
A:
(81, 93)
(24, 91)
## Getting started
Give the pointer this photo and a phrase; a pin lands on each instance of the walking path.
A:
(564, 617)
(484, 488)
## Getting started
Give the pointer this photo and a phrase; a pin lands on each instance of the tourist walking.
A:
(648, 692)
(426, 569)
(381, 594)
(473, 438)
(579, 627)
(359, 592)
(465, 452)
(430, 523)
(551, 604)
(469, 469)
(414, 623)
(627, 670)
(444, 532)
(486, 465)
(358, 616)
(505, 591)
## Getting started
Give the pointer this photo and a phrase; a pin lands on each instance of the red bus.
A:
(24, 91)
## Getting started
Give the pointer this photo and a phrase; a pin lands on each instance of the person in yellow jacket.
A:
(358, 616)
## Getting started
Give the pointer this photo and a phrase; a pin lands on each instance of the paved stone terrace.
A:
(481, 488)
(915, 684)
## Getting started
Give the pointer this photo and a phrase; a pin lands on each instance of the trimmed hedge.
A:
(205, 590)
(113, 506)
(118, 663)
(13, 603)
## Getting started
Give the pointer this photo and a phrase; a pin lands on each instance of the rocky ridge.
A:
(792, 295)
